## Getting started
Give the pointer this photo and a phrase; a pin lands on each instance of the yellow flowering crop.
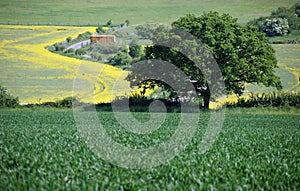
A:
(35, 74)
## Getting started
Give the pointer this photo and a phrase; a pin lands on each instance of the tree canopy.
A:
(241, 52)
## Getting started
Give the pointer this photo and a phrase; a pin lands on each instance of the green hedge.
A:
(268, 99)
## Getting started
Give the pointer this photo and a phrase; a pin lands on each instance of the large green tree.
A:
(241, 52)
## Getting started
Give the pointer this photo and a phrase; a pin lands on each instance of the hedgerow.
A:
(268, 99)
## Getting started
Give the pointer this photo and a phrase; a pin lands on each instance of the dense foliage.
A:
(289, 13)
(242, 53)
(42, 150)
(121, 59)
(273, 26)
(65, 102)
(280, 22)
(135, 50)
(268, 99)
(7, 100)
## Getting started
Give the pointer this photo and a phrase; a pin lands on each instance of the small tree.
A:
(100, 30)
(109, 23)
(69, 39)
(7, 100)
(121, 59)
(59, 47)
(135, 50)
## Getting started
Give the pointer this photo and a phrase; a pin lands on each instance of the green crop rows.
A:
(42, 150)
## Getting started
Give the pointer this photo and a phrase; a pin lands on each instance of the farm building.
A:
(103, 39)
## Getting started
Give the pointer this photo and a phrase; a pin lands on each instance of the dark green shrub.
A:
(66, 102)
(121, 59)
(100, 30)
(69, 39)
(109, 23)
(80, 52)
(59, 47)
(51, 48)
(71, 51)
(135, 50)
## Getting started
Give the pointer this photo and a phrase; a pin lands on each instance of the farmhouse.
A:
(103, 39)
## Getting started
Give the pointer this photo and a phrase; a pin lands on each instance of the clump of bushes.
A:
(7, 100)
(140, 103)
(283, 99)
(79, 38)
(282, 21)
(63, 103)
(273, 26)
(61, 46)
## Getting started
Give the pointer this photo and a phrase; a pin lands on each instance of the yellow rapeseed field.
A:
(36, 75)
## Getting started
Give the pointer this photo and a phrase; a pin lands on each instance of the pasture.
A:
(289, 69)
(42, 150)
(76, 12)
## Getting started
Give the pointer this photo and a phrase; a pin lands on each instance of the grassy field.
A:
(289, 59)
(42, 150)
(93, 11)
(289, 69)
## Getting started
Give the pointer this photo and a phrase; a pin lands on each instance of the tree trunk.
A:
(206, 99)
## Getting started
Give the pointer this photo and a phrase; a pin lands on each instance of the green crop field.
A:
(93, 11)
(42, 150)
